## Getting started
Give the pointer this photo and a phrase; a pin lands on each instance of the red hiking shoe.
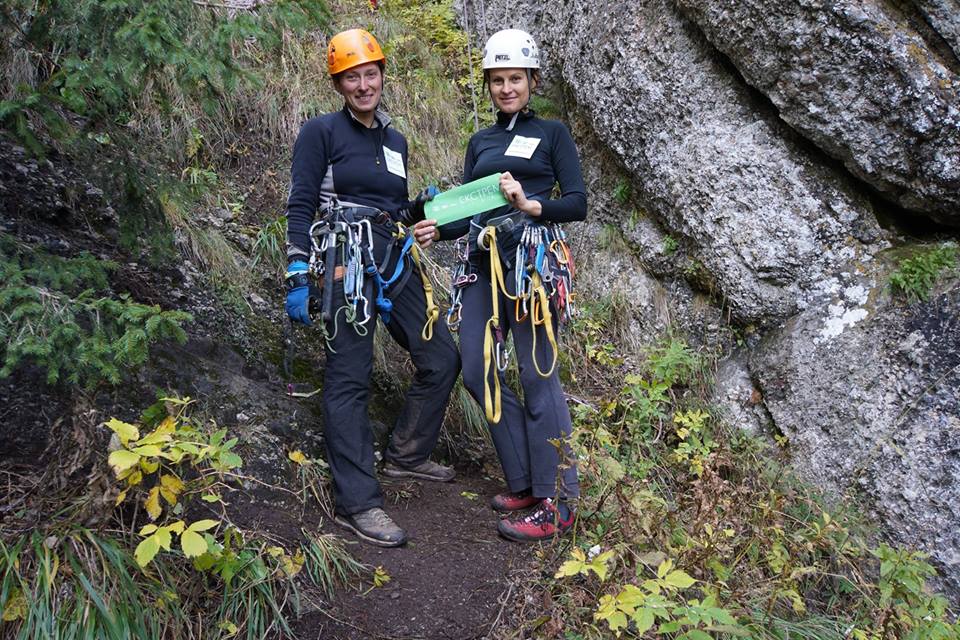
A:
(542, 523)
(513, 501)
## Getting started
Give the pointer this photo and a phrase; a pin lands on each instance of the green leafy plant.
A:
(109, 60)
(269, 244)
(915, 277)
(58, 314)
(658, 599)
(696, 443)
(670, 245)
(908, 610)
(622, 192)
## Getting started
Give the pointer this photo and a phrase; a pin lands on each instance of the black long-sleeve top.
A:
(337, 157)
(553, 161)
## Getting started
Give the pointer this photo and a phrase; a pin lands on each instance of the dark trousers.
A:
(346, 393)
(522, 436)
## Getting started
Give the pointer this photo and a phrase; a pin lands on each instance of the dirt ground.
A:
(453, 579)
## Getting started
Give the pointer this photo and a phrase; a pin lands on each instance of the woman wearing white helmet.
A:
(532, 155)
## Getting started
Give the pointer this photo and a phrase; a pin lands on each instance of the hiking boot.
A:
(427, 470)
(373, 526)
(510, 501)
(542, 523)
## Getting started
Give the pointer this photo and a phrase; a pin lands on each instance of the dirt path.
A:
(449, 581)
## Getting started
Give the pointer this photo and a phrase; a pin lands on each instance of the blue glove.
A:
(298, 293)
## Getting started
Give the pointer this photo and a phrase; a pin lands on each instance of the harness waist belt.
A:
(353, 214)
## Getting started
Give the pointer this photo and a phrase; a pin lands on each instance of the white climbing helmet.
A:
(511, 49)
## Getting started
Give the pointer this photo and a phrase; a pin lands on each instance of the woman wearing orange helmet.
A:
(532, 155)
(351, 166)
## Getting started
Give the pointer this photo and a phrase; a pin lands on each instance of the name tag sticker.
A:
(522, 147)
(394, 162)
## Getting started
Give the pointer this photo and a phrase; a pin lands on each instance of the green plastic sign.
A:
(466, 200)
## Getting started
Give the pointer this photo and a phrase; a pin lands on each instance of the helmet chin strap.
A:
(513, 120)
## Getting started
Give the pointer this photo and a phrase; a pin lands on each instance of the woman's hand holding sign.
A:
(514, 194)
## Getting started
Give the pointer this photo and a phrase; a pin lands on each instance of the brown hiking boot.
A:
(373, 526)
(427, 470)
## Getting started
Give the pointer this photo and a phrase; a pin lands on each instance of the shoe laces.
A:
(543, 514)
(380, 517)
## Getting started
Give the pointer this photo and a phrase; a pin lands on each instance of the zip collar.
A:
(508, 120)
(380, 119)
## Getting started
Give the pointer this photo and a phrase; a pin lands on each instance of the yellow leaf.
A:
(120, 498)
(149, 466)
(147, 450)
(126, 432)
(146, 550)
(152, 503)
(664, 568)
(380, 576)
(679, 579)
(298, 457)
(134, 478)
(148, 529)
(176, 527)
(16, 608)
(170, 487)
(163, 537)
(193, 544)
(292, 565)
(168, 426)
(121, 460)
(203, 525)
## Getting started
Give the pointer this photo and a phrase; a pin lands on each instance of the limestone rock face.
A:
(854, 78)
(883, 417)
(944, 17)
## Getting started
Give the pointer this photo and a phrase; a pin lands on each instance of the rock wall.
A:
(857, 80)
(787, 237)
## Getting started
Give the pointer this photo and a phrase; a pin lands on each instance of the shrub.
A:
(56, 314)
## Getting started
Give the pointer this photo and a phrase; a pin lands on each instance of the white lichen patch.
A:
(844, 313)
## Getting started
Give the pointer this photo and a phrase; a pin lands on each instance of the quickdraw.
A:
(543, 271)
(336, 241)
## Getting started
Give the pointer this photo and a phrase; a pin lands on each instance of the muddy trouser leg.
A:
(510, 434)
(347, 433)
(437, 364)
(547, 416)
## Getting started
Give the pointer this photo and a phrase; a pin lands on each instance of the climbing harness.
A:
(342, 245)
(543, 271)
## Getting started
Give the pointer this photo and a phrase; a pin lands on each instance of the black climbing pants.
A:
(346, 393)
(522, 436)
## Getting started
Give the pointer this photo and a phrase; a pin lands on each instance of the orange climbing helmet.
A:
(351, 48)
